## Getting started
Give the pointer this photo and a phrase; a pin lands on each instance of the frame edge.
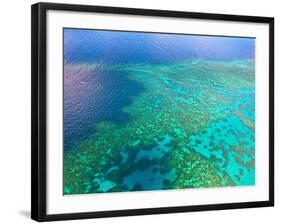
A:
(154, 12)
(34, 113)
(271, 112)
(38, 112)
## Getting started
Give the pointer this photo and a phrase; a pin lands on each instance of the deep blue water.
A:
(101, 95)
(97, 97)
(108, 47)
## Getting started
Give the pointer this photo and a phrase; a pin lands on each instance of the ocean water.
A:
(147, 111)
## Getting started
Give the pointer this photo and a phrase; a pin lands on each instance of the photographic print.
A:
(141, 111)
(149, 111)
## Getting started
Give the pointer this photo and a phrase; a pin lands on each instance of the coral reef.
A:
(184, 125)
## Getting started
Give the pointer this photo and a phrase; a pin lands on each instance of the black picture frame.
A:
(39, 108)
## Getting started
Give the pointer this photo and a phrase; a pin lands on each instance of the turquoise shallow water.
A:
(173, 121)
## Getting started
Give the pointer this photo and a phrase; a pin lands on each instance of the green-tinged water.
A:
(191, 126)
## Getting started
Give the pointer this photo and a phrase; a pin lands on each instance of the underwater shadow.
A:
(98, 96)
